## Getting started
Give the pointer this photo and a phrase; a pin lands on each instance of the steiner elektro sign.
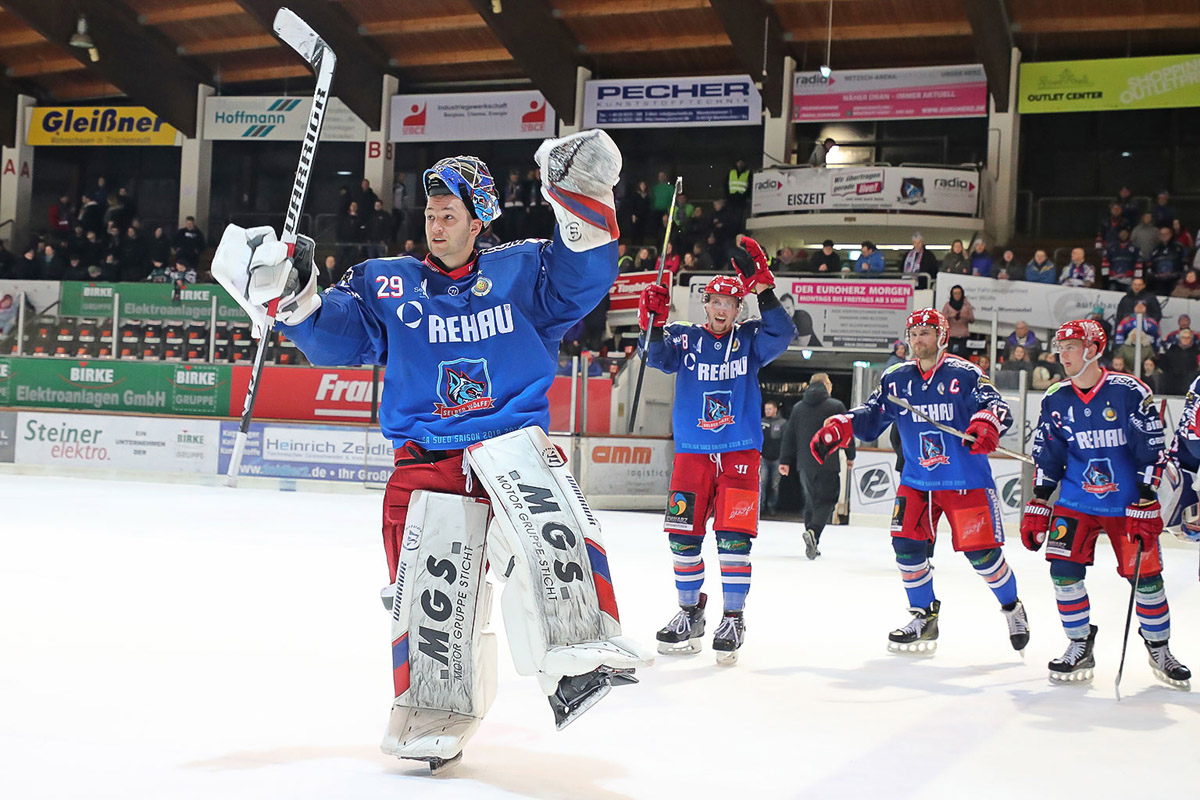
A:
(672, 102)
(98, 126)
(277, 119)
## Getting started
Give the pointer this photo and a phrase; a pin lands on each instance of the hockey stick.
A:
(1137, 573)
(900, 401)
(297, 35)
(662, 262)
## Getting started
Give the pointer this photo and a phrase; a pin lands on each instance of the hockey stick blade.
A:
(907, 406)
(298, 35)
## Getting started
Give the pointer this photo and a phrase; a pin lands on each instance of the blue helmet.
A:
(465, 177)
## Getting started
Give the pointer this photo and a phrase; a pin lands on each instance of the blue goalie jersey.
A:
(950, 393)
(1099, 445)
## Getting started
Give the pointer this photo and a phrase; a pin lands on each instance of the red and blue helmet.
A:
(932, 318)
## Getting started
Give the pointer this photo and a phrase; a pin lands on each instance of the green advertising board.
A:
(137, 386)
(148, 300)
(1114, 84)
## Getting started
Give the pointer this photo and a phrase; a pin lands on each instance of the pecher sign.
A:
(671, 102)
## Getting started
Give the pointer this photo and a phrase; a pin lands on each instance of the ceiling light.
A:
(82, 39)
(826, 71)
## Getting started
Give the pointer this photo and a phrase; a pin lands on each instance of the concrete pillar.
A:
(195, 171)
(582, 76)
(779, 134)
(1000, 185)
(16, 182)
(380, 163)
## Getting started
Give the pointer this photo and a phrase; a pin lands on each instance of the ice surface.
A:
(165, 641)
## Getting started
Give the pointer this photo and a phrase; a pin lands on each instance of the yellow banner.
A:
(98, 126)
(1114, 84)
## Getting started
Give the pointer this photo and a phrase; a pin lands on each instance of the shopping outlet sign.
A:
(1114, 84)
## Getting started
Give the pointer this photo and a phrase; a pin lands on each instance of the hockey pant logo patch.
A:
(1061, 539)
(681, 511)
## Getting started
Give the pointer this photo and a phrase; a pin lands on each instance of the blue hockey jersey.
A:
(951, 393)
(718, 405)
(470, 354)
(1185, 444)
(1100, 444)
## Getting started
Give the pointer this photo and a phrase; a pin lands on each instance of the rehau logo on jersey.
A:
(1098, 477)
(933, 449)
(718, 411)
(464, 385)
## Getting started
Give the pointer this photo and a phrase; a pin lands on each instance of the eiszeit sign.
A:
(672, 102)
(477, 116)
(277, 119)
(942, 191)
(863, 314)
(916, 92)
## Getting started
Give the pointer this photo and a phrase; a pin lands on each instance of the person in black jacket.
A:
(1138, 293)
(821, 483)
(768, 475)
(919, 259)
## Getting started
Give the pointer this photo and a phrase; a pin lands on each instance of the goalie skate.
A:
(577, 693)
(919, 636)
(1077, 664)
(1167, 667)
(683, 635)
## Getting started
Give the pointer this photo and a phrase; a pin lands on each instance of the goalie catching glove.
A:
(256, 268)
(578, 173)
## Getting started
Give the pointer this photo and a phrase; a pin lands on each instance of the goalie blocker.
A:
(560, 611)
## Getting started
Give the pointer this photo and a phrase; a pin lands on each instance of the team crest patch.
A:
(481, 287)
(718, 411)
(1098, 477)
(464, 385)
(933, 450)
(1110, 413)
(681, 511)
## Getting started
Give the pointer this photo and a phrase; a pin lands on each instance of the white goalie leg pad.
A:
(560, 611)
(443, 656)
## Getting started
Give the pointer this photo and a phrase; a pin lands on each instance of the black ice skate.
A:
(729, 637)
(918, 637)
(1166, 666)
(1078, 663)
(682, 635)
(577, 693)
(810, 545)
(1018, 626)
(439, 765)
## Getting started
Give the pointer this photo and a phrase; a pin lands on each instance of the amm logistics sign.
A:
(98, 125)
(1116, 84)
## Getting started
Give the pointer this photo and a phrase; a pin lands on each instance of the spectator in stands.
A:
(115, 212)
(1022, 337)
(512, 218)
(379, 230)
(365, 196)
(75, 271)
(91, 215)
(660, 203)
(1118, 364)
(725, 225)
(737, 189)
(871, 259)
(826, 260)
(981, 260)
(1078, 272)
(351, 232)
(1121, 262)
(1166, 261)
(541, 218)
(1017, 361)
(60, 217)
(956, 261)
(640, 212)
(399, 204)
(1098, 316)
(189, 242)
(704, 260)
(1128, 333)
(595, 326)
(134, 257)
(820, 153)
(129, 208)
(624, 258)
(159, 247)
(671, 260)
(1006, 268)
(327, 273)
(688, 264)
(1047, 371)
(985, 364)
(1185, 324)
(1129, 208)
(644, 261)
(1189, 287)
(1145, 235)
(1163, 213)
(28, 267)
(1041, 269)
(696, 229)
(899, 354)
(919, 259)
(785, 261)
(1138, 293)
(99, 192)
(53, 264)
(410, 249)
(1151, 376)
(960, 314)
(1111, 227)
(1183, 236)
(1179, 363)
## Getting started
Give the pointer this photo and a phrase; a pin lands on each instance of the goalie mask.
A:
(467, 178)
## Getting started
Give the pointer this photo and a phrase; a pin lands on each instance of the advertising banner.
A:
(141, 386)
(672, 102)
(474, 116)
(874, 480)
(95, 126)
(126, 443)
(626, 291)
(8, 436)
(153, 300)
(877, 94)
(627, 467)
(308, 393)
(317, 452)
(1111, 84)
(278, 119)
(942, 191)
(866, 314)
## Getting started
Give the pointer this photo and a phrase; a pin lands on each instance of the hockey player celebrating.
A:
(1099, 440)
(942, 474)
(717, 425)
(470, 341)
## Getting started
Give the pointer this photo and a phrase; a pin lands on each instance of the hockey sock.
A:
(914, 570)
(734, 552)
(1074, 607)
(689, 567)
(1153, 613)
(990, 564)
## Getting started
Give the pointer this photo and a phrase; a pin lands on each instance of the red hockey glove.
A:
(833, 435)
(1035, 524)
(985, 427)
(752, 266)
(656, 300)
(1143, 522)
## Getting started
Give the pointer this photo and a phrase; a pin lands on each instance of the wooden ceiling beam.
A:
(189, 13)
(1105, 24)
(47, 66)
(85, 90)
(20, 37)
(446, 22)
(450, 57)
(264, 73)
(916, 30)
(229, 44)
(757, 38)
(992, 33)
(571, 9)
(643, 44)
